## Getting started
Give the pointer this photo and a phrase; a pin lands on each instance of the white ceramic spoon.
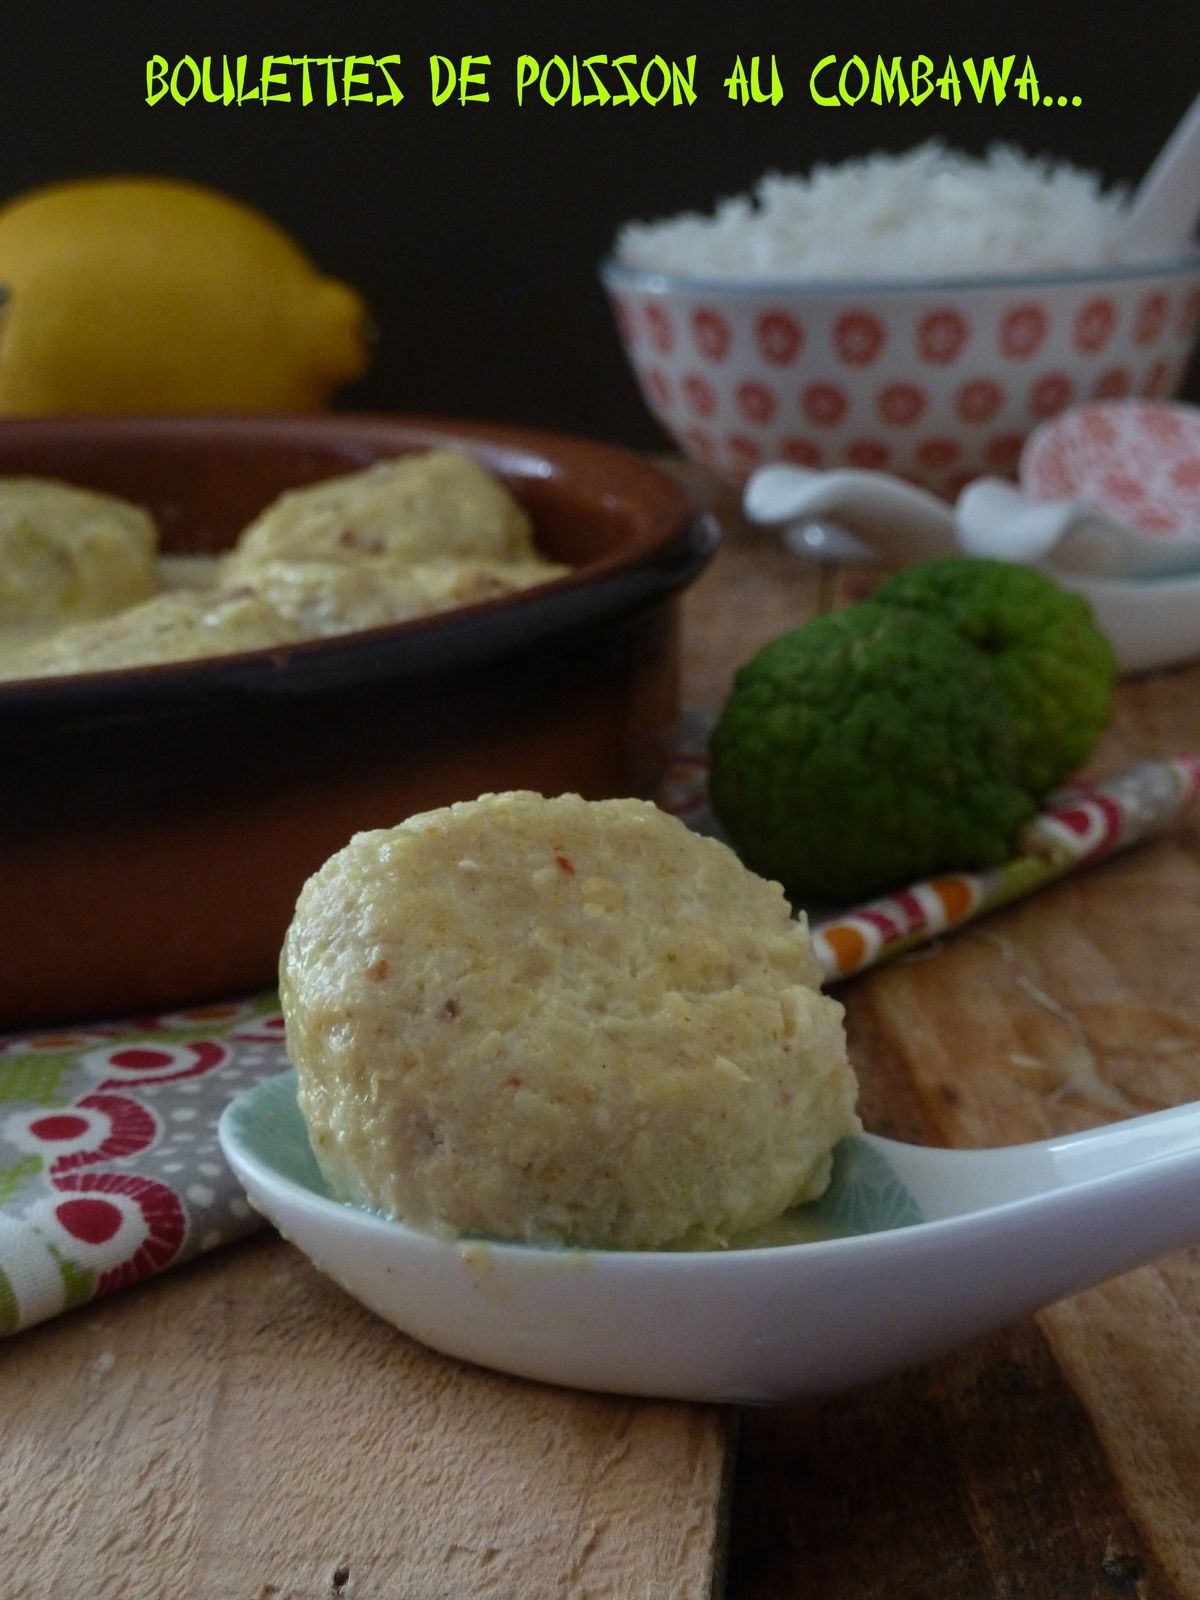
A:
(879, 512)
(858, 515)
(1162, 213)
(994, 518)
(941, 1245)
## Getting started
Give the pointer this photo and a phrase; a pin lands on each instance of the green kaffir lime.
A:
(1054, 667)
(865, 749)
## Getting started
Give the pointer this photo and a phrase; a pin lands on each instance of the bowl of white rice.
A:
(918, 314)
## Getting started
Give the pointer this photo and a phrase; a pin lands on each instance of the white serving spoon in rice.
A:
(1161, 222)
(910, 1252)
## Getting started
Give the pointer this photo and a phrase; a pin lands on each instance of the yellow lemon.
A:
(148, 294)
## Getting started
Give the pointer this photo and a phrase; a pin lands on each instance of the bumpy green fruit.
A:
(866, 749)
(1054, 667)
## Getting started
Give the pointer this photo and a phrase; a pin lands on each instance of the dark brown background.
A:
(475, 232)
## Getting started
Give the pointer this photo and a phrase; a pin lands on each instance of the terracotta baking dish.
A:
(157, 823)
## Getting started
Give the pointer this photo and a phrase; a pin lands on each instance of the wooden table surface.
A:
(240, 1428)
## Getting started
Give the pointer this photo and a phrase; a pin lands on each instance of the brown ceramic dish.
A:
(156, 823)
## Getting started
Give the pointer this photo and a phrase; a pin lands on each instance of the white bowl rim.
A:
(651, 280)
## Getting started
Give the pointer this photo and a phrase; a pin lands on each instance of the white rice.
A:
(930, 212)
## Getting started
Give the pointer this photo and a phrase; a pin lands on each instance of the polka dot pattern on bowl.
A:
(938, 384)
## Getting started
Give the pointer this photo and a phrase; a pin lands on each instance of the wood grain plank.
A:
(242, 1428)
(1131, 1351)
(978, 1476)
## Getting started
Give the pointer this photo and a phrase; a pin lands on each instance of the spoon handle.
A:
(928, 1289)
(956, 1183)
(1163, 210)
(1121, 1146)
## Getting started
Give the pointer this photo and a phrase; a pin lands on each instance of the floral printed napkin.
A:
(109, 1164)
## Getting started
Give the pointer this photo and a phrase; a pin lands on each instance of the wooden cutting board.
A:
(241, 1430)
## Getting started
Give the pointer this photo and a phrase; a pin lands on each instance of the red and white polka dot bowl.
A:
(939, 382)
